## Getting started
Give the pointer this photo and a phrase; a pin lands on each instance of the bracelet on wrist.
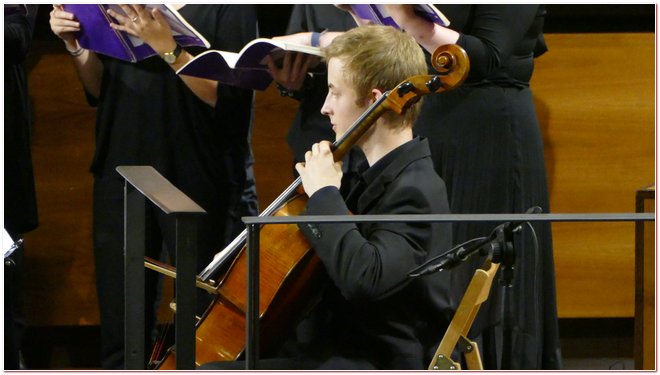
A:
(79, 51)
(288, 93)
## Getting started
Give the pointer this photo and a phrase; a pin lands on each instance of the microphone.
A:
(450, 260)
(484, 246)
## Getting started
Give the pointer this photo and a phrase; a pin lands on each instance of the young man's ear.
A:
(375, 94)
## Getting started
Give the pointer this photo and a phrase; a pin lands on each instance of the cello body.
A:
(294, 274)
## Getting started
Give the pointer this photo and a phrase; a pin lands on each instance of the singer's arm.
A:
(428, 34)
(88, 65)
(152, 27)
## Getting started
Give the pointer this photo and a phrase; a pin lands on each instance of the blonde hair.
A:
(379, 57)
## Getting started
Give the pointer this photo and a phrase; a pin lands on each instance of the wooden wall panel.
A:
(273, 165)
(59, 269)
(595, 96)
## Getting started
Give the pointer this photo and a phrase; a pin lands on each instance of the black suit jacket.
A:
(373, 316)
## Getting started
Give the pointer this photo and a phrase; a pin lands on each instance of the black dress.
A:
(147, 116)
(487, 147)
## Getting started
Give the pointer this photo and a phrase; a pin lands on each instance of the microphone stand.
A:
(503, 252)
(500, 250)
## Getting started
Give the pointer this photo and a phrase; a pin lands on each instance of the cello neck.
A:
(341, 146)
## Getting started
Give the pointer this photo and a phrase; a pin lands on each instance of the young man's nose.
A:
(325, 110)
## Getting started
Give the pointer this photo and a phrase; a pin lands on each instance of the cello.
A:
(291, 271)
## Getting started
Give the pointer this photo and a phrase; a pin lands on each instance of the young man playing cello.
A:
(371, 316)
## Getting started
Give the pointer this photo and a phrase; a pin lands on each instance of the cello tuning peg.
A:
(404, 88)
(434, 84)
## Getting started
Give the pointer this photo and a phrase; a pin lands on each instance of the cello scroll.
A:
(453, 66)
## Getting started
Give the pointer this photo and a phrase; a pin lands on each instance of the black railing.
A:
(144, 182)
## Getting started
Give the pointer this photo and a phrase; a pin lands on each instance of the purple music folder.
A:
(377, 14)
(96, 34)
